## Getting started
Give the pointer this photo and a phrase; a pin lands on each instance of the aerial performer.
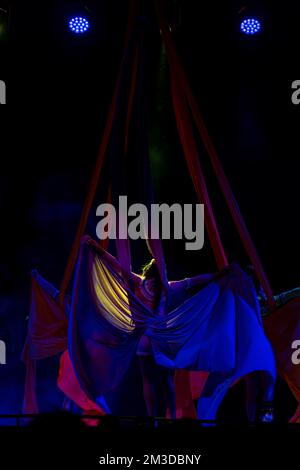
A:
(158, 381)
(206, 323)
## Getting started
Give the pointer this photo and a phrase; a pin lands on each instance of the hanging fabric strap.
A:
(100, 160)
(123, 246)
(178, 71)
(142, 174)
(185, 130)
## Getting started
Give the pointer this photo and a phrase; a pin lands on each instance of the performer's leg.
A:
(103, 405)
(148, 386)
(170, 393)
(252, 390)
(268, 385)
(265, 384)
(266, 414)
(215, 389)
(164, 391)
(158, 387)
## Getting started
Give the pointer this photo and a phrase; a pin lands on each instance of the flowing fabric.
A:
(69, 385)
(219, 329)
(283, 328)
(189, 386)
(47, 337)
(296, 417)
(47, 334)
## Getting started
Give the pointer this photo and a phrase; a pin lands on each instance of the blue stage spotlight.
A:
(79, 25)
(250, 26)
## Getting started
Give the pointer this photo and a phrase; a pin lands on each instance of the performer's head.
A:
(150, 272)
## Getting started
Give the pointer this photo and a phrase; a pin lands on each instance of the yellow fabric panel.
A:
(111, 297)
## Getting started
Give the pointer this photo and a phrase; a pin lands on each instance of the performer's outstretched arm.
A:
(111, 260)
(206, 278)
(284, 297)
(201, 279)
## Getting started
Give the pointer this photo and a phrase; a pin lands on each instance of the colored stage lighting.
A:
(250, 26)
(79, 25)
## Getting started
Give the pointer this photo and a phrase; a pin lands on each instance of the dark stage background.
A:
(58, 92)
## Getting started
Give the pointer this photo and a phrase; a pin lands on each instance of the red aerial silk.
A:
(185, 130)
(68, 383)
(296, 417)
(283, 328)
(178, 74)
(47, 337)
(133, 10)
(184, 103)
(67, 380)
(189, 386)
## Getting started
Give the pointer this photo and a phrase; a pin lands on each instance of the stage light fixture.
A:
(79, 25)
(250, 26)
